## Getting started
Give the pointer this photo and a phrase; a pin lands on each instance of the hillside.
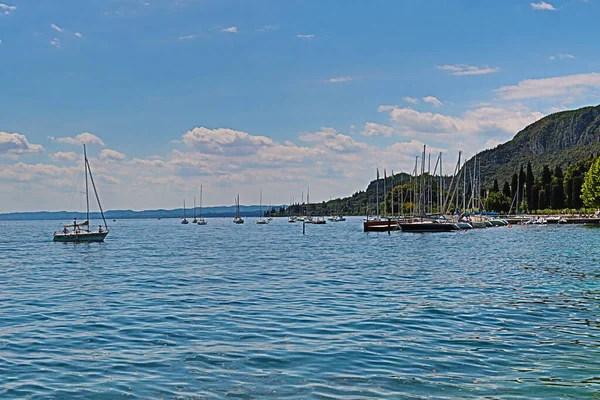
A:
(558, 139)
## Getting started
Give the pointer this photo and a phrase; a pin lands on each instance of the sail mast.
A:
(87, 196)
(201, 210)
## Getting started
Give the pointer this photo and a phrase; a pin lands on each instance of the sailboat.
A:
(80, 231)
(184, 221)
(194, 221)
(238, 219)
(261, 220)
(201, 220)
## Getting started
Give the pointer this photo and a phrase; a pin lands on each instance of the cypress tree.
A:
(506, 189)
(546, 175)
(535, 194)
(542, 201)
(530, 181)
(495, 188)
(513, 186)
(522, 178)
(577, 184)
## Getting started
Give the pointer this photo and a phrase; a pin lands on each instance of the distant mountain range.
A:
(559, 139)
(209, 212)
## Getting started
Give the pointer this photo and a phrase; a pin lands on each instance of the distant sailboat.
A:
(184, 221)
(201, 220)
(194, 221)
(81, 231)
(261, 220)
(238, 219)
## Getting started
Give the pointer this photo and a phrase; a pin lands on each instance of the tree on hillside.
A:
(522, 179)
(506, 189)
(529, 182)
(546, 175)
(495, 187)
(558, 192)
(590, 191)
(513, 186)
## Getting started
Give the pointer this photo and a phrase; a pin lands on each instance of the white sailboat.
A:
(80, 231)
(201, 220)
(238, 219)
(184, 221)
(261, 220)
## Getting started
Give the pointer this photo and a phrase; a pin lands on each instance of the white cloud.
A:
(85, 137)
(563, 56)
(65, 156)
(374, 129)
(542, 6)
(108, 154)
(310, 36)
(223, 140)
(340, 79)
(78, 34)
(411, 100)
(186, 37)
(56, 28)
(433, 101)
(549, 87)
(332, 140)
(442, 128)
(0, 41)
(231, 29)
(464, 69)
(7, 9)
(55, 42)
(15, 143)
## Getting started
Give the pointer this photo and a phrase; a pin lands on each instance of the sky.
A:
(239, 95)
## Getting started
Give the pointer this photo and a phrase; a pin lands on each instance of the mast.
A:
(377, 192)
(201, 211)
(384, 194)
(87, 192)
(464, 199)
(194, 207)
(260, 206)
(392, 194)
(183, 208)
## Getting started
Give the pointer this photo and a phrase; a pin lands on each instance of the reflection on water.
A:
(163, 310)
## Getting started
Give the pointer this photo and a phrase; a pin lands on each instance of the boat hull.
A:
(80, 237)
(380, 226)
(417, 227)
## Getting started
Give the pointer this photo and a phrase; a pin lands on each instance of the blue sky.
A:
(239, 95)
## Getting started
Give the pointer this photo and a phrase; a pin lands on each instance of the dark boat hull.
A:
(417, 227)
(80, 237)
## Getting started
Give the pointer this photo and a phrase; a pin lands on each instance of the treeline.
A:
(552, 189)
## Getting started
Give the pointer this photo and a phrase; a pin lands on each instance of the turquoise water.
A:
(162, 310)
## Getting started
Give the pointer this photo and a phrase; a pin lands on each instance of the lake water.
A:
(162, 310)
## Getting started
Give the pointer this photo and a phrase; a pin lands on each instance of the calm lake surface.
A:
(163, 310)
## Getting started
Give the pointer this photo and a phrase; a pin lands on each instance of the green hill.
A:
(559, 139)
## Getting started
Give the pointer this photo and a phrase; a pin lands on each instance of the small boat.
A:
(238, 219)
(80, 232)
(261, 220)
(292, 219)
(339, 218)
(201, 220)
(184, 221)
(194, 221)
